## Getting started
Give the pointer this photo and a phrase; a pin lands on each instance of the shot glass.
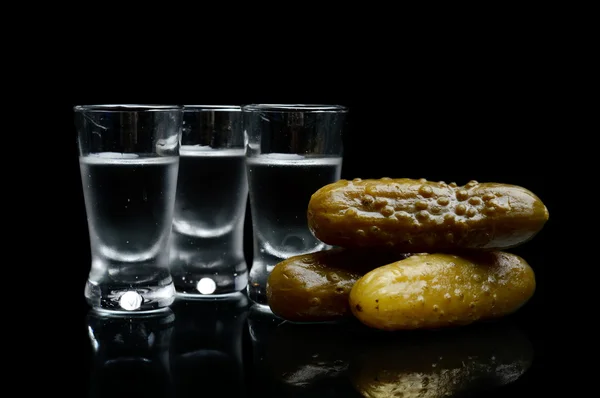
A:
(129, 158)
(207, 251)
(293, 150)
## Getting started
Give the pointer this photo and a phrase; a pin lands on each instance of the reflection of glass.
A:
(207, 254)
(292, 151)
(129, 156)
(262, 324)
(349, 360)
(206, 350)
(130, 355)
(297, 360)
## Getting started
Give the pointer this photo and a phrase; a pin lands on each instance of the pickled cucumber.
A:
(422, 216)
(429, 291)
(315, 287)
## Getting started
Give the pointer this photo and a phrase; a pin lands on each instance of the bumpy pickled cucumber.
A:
(315, 287)
(422, 216)
(442, 364)
(430, 291)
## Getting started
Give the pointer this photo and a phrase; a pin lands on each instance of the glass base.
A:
(257, 283)
(199, 284)
(130, 299)
(257, 295)
(141, 315)
(198, 296)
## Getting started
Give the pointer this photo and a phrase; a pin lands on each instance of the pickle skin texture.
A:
(315, 287)
(431, 291)
(422, 216)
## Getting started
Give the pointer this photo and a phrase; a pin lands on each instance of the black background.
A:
(456, 123)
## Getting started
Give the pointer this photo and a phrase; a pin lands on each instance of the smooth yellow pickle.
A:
(429, 291)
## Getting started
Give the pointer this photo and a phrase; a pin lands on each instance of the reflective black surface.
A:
(231, 348)
(130, 355)
(455, 115)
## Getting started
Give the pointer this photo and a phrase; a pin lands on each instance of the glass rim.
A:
(212, 108)
(127, 108)
(306, 108)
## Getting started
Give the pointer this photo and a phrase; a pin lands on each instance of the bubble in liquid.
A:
(206, 286)
(131, 301)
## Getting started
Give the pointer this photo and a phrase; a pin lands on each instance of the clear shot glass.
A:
(129, 158)
(293, 150)
(207, 250)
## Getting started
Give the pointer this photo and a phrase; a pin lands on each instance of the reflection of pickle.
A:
(443, 363)
(315, 287)
(311, 356)
(424, 216)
